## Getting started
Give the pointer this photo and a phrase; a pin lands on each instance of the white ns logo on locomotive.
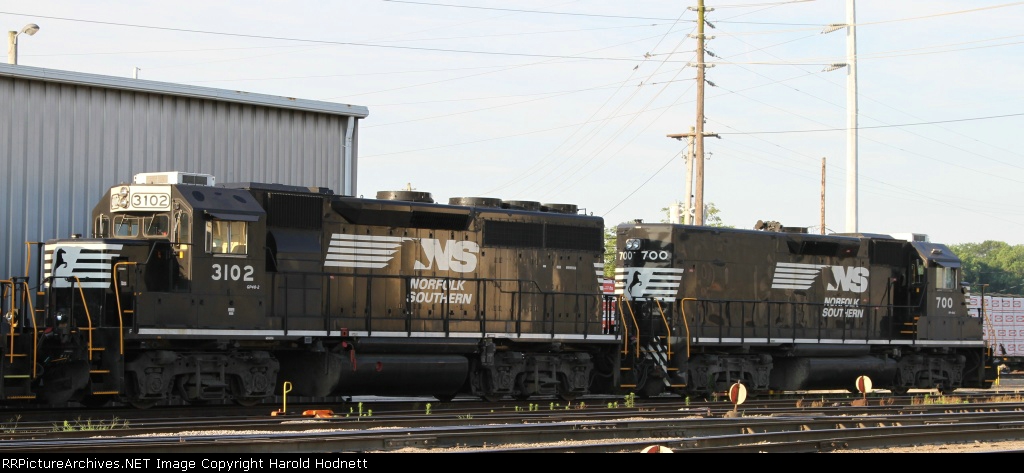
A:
(802, 276)
(376, 251)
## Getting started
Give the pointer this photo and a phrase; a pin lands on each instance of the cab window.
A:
(157, 225)
(182, 227)
(102, 226)
(126, 226)
(945, 278)
(226, 237)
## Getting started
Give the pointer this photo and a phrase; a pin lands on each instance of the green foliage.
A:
(88, 425)
(711, 216)
(428, 408)
(631, 400)
(711, 219)
(995, 263)
(10, 429)
(609, 252)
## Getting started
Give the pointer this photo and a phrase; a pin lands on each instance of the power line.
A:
(878, 126)
(322, 41)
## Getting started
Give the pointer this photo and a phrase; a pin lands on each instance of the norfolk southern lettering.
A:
(848, 307)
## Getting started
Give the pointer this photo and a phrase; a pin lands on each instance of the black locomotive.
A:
(195, 292)
(192, 291)
(702, 308)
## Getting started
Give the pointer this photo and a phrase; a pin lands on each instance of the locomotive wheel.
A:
(898, 390)
(142, 403)
(521, 397)
(248, 401)
(491, 397)
(567, 397)
(94, 401)
(444, 397)
(651, 389)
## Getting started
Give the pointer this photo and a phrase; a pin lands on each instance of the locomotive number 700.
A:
(232, 272)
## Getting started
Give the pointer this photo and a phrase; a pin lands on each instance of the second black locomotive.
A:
(703, 307)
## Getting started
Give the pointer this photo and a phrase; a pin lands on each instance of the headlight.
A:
(632, 244)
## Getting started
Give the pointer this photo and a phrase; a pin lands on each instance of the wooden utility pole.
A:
(698, 165)
(822, 196)
(690, 159)
(695, 158)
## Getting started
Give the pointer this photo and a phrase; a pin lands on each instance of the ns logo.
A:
(852, 279)
(458, 256)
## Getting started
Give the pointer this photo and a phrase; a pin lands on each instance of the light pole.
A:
(851, 111)
(12, 41)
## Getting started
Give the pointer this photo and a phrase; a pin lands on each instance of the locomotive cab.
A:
(937, 296)
(199, 271)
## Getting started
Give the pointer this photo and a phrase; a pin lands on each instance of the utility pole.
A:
(851, 118)
(695, 160)
(698, 200)
(688, 159)
(822, 196)
(688, 205)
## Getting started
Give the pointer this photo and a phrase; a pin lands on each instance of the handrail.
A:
(686, 325)
(635, 325)
(28, 256)
(10, 316)
(11, 284)
(117, 296)
(668, 329)
(625, 326)
(35, 329)
(88, 318)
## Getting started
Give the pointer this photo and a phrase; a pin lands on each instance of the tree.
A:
(609, 252)
(995, 263)
(711, 217)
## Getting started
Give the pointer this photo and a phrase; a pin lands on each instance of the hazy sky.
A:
(571, 102)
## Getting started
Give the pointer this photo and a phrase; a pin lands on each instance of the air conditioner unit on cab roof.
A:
(174, 178)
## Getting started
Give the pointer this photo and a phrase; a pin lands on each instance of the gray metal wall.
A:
(66, 137)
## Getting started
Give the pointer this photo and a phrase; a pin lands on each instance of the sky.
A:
(572, 102)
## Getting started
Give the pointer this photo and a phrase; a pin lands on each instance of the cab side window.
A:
(226, 237)
(945, 278)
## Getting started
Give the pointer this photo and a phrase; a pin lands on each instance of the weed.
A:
(631, 400)
(428, 408)
(88, 425)
(13, 428)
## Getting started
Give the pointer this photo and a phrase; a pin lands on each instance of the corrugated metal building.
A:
(65, 137)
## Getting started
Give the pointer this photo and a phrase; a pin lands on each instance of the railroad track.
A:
(782, 426)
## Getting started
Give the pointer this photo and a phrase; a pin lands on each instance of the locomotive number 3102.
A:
(232, 272)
